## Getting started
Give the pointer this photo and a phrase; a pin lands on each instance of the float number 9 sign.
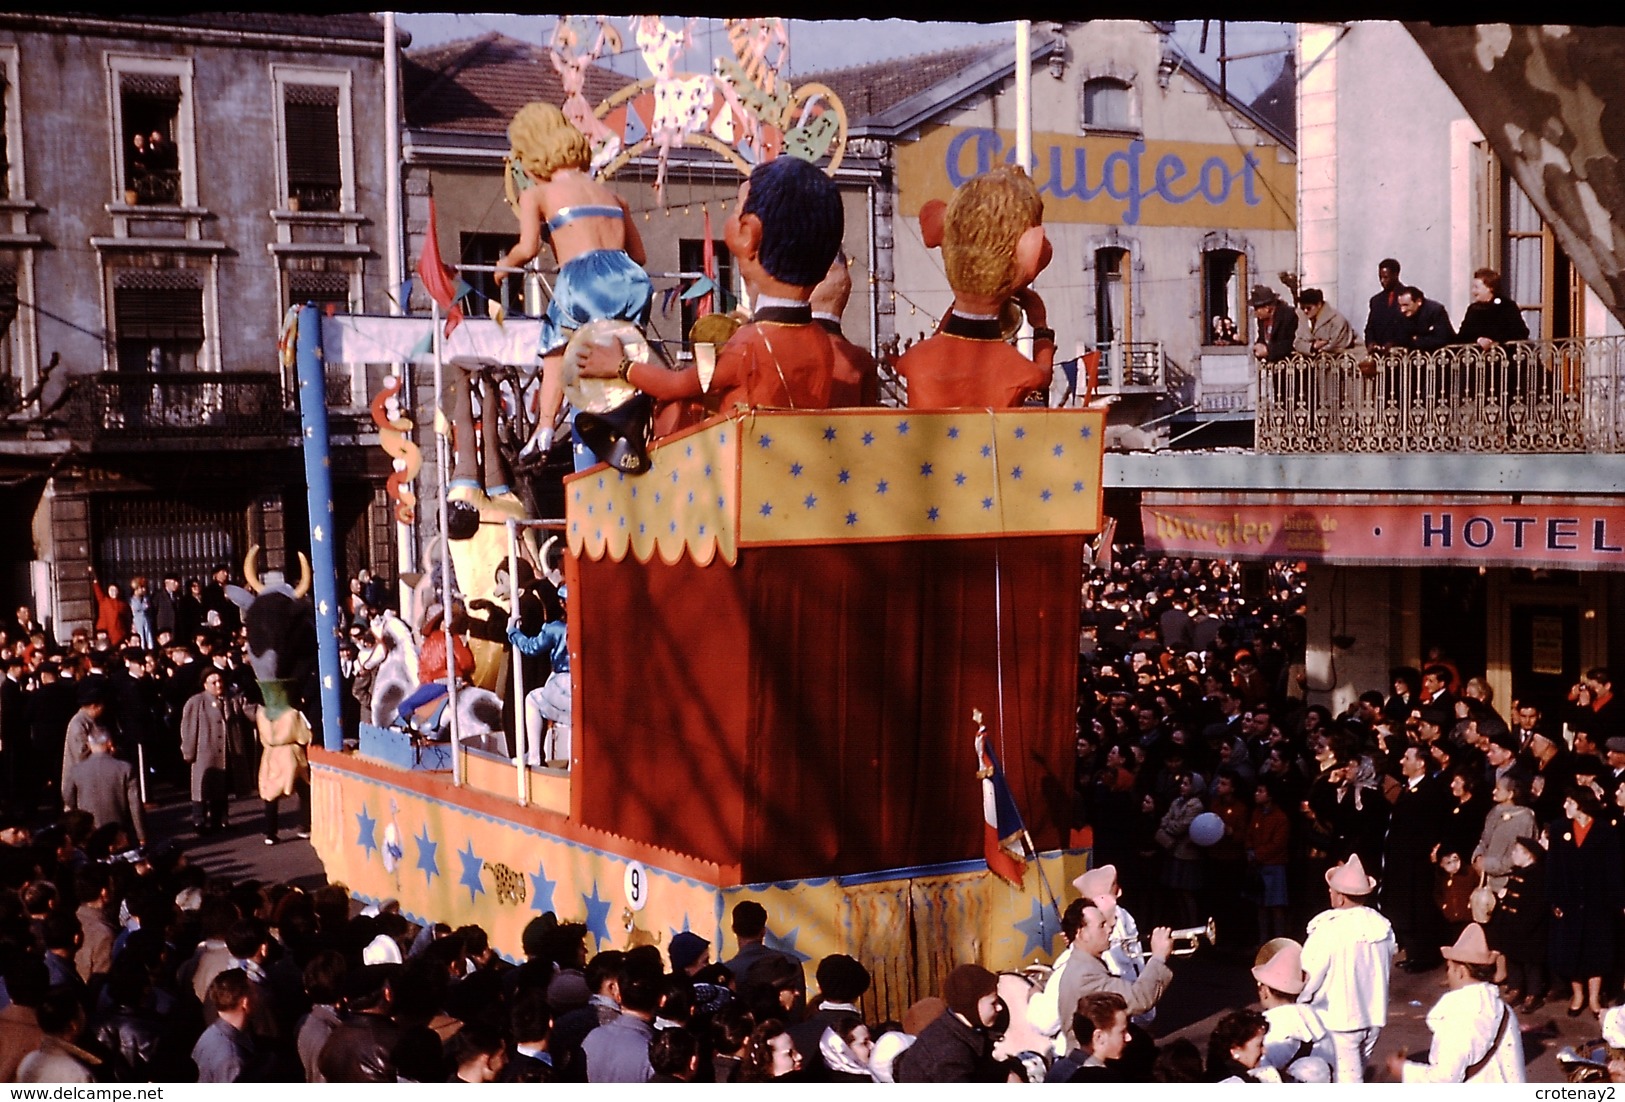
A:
(636, 885)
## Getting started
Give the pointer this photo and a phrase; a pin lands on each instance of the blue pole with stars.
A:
(319, 503)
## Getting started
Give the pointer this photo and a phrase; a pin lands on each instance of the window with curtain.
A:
(1224, 285)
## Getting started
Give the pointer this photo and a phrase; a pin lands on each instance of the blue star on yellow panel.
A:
(987, 503)
(426, 856)
(1058, 450)
(882, 486)
(541, 889)
(1021, 433)
(1039, 928)
(810, 500)
(597, 915)
(987, 450)
(1077, 487)
(829, 434)
(902, 428)
(674, 476)
(600, 484)
(471, 871)
(1015, 473)
(844, 477)
(765, 440)
(953, 432)
(766, 509)
(851, 518)
(796, 469)
(366, 825)
(868, 438)
(786, 944)
(932, 513)
(1045, 496)
(688, 451)
(925, 470)
(1086, 432)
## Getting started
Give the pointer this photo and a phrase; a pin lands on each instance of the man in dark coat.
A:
(1407, 869)
(166, 608)
(1385, 326)
(1427, 322)
(16, 761)
(958, 1046)
(1277, 325)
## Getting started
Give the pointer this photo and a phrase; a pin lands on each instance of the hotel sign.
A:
(1570, 536)
(1112, 180)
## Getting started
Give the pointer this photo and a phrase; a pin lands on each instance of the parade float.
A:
(822, 659)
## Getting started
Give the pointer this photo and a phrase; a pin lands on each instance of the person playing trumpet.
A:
(1087, 971)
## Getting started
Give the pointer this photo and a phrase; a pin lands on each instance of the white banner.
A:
(369, 339)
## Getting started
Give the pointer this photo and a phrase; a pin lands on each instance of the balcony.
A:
(1132, 367)
(1535, 397)
(228, 409)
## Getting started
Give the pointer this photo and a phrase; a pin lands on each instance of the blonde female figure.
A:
(594, 240)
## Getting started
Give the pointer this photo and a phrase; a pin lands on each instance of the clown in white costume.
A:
(1297, 1042)
(1475, 1033)
(1346, 960)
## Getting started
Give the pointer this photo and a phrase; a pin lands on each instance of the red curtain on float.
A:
(807, 712)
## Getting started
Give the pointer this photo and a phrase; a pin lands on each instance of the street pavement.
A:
(239, 852)
(1215, 981)
(1206, 986)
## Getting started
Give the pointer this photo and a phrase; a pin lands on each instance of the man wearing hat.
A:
(688, 953)
(1475, 1034)
(842, 981)
(958, 1046)
(1346, 960)
(1501, 752)
(1277, 325)
(1296, 1033)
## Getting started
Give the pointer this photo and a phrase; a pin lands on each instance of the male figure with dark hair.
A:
(16, 751)
(842, 981)
(1327, 331)
(1604, 718)
(1414, 826)
(674, 1055)
(1384, 325)
(166, 607)
(1101, 1026)
(750, 929)
(93, 886)
(1427, 322)
(529, 1020)
(323, 978)
(1089, 972)
(88, 719)
(618, 1052)
(783, 233)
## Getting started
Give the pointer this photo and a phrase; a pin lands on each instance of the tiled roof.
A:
(478, 84)
(867, 90)
(349, 26)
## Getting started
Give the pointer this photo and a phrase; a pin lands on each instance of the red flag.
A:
(708, 265)
(1091, 366)
(439, 281)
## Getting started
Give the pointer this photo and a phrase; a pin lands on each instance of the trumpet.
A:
(1188, 939)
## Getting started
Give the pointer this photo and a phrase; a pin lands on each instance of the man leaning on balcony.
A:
(1277, 325)
(1326, 331)
(1429, 322)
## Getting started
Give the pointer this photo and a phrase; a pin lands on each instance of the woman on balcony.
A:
(1491, 320)
(112, 611)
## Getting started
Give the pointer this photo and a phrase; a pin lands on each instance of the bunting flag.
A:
(1005, 834)
(437, 278)
(1091, 364)
(709, 267)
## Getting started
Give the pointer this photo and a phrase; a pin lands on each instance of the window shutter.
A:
(158, 306)
(311, 122)
(321, 288)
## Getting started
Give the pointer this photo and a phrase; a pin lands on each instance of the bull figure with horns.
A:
(281, 623)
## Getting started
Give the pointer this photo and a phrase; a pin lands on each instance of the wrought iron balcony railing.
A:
(1132, 366)
(1529, 397)
(130, 406)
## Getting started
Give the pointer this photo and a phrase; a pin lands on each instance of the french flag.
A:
(1005, 835)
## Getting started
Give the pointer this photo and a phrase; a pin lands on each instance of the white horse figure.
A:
(392, 678)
